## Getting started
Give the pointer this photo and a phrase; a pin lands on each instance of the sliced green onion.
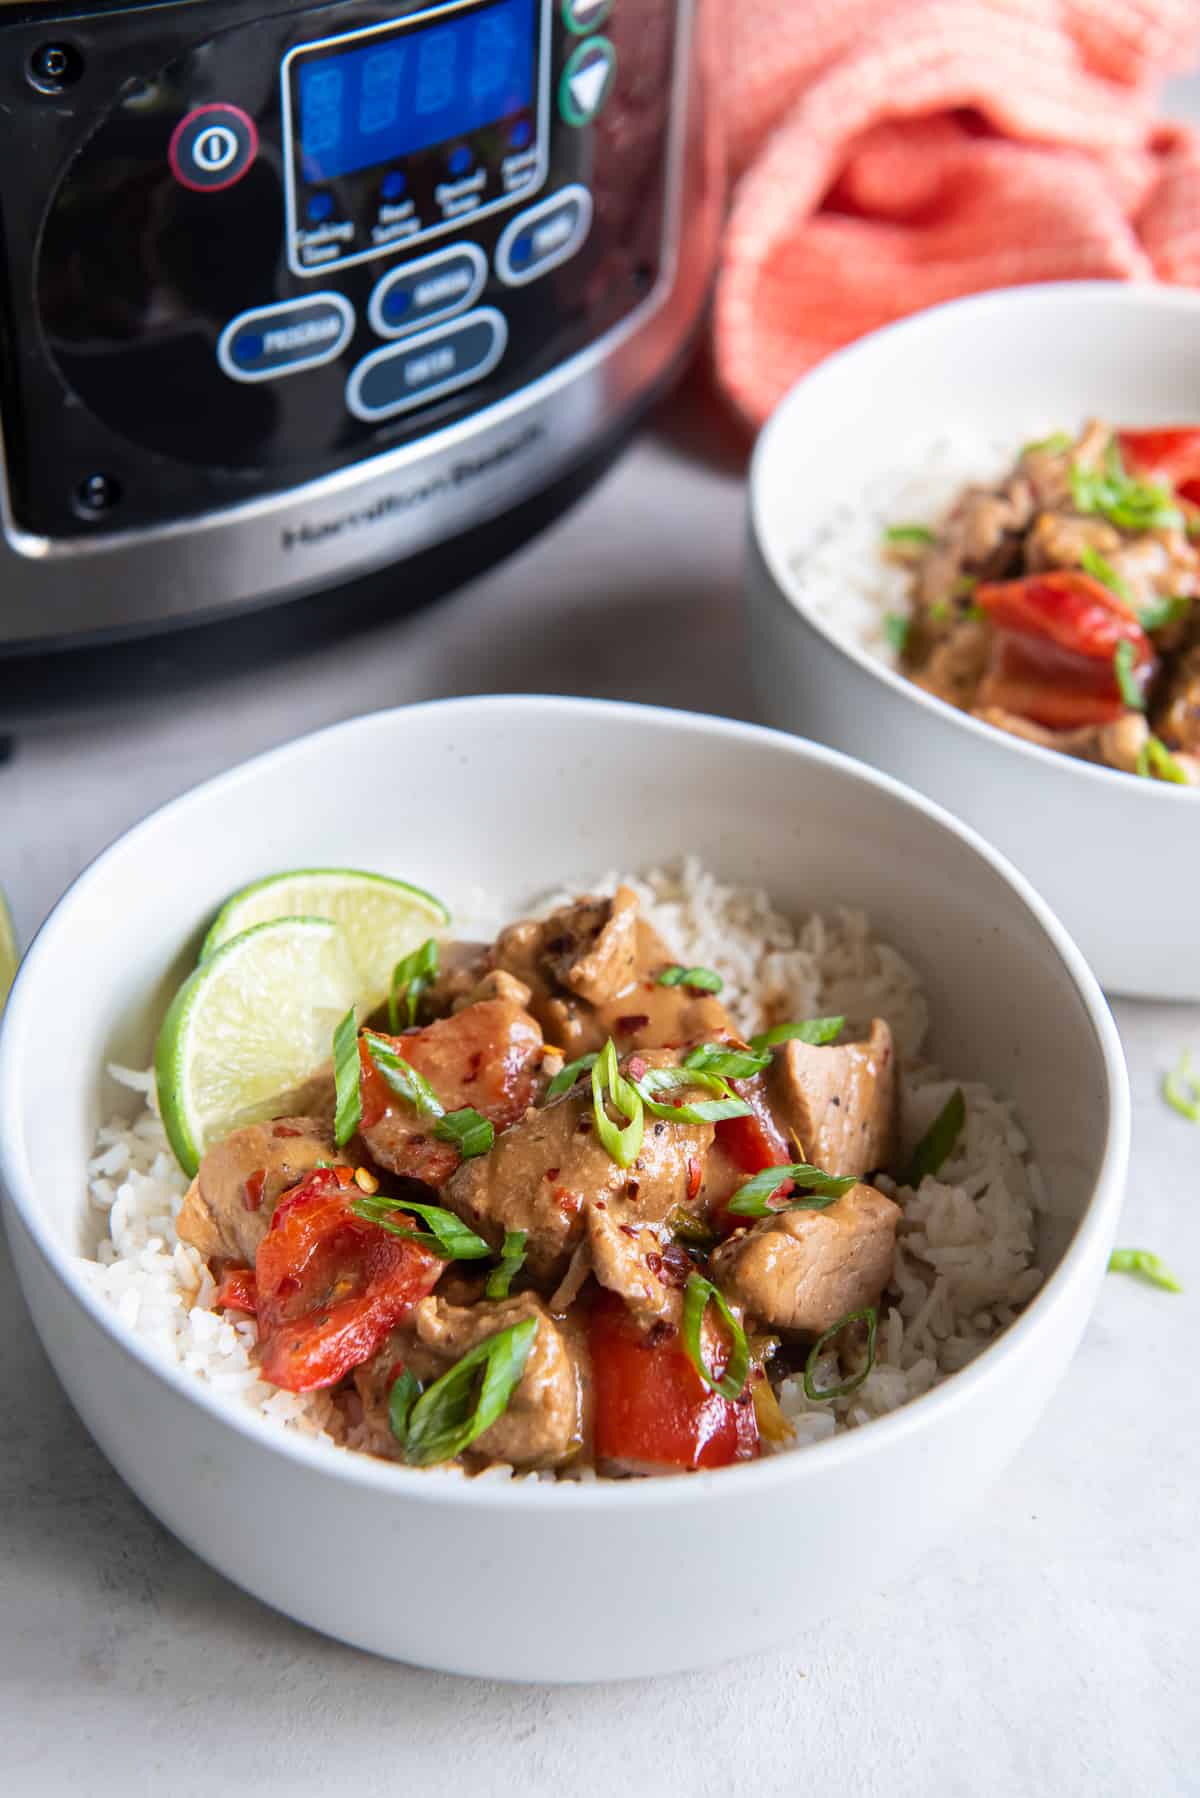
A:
(1093, 563)
(908, 533)
(410, 977)
(807, 1030)
(566, 1077)
(1110, 492)
(1161, 612)
(896, 628)
(470, 1397)
(406, 1390)
(732, 1064)
(346, 1068)
(938, 1140)
(467, 1130)
(975, 613)
(686, 1227)
(752, 1198)
(1131, 693)
(940, 612)
(1056, 444)
(512, 1256)
(870, 1316)
(703, 979)
(698, 1294)
(1181, 1089)
(1146, 1266)
(708, 1111)
(965, 585)
(402, 1078)
(1155, 762)
(608, 1086)
(446, 1236)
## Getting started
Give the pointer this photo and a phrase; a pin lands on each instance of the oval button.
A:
(433, 287)
(410, 374)
(538, 239)
(280, 340)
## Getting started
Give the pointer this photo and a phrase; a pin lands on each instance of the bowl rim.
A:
(1053, 1299)
(810, 389)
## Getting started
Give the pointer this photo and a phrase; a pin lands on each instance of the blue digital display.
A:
(400, 94)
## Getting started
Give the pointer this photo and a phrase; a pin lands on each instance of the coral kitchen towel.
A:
(889, 154)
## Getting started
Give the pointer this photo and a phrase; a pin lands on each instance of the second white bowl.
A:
(1118, 858)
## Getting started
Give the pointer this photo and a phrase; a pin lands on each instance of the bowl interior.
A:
(498, 800)
(989, 373)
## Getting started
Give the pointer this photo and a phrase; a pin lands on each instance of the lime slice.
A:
(10, 955)
(383, 919)
(247, 1029)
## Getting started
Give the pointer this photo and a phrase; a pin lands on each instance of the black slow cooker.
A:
(291, 295)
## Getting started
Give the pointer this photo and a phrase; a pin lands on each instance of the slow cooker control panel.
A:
(312, 237)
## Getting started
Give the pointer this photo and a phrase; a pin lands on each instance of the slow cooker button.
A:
(433, 287)
(424, 368)
(587, 81)
(212, 147)
(547, 234)
(585, 15)
(269, 341)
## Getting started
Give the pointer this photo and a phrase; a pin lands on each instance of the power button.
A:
(212, 147)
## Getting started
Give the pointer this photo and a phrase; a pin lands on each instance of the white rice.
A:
(964, 1263)
(848, 583)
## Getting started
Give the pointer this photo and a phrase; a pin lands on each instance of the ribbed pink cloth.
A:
(889, 154)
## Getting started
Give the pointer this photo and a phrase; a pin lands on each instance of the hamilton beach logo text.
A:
(390, 504)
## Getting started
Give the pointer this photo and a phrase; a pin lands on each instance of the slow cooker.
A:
(292, 295)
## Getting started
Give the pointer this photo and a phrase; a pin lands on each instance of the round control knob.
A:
(212, 147)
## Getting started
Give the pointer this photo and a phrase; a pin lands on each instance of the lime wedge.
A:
(248, 1027)
(10, 955)
(383, 919)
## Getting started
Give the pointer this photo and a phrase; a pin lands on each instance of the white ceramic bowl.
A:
(537, 1581)
(1006, 366)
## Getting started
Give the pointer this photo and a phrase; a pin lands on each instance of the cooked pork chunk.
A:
(957, 664)
(592, 971)
(487, 1056)
(803, 1270)
(1178, 721)
(628, 1259)
(229, 1205)
(545, 1173)
(546, 1423)
(840, 1100)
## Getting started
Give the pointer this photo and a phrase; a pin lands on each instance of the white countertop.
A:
(1051, 1646)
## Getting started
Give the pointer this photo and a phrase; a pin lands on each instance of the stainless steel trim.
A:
(381, 289)
(326, 353)
(400, 245)
(513, 277)
(389, 507)
(411, 346)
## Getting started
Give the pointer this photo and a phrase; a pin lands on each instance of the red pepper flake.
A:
(678, 1265)
(551, 1173)
(569, 1202)
(637, 1020)
(632, 1189)
(599, 1205)
(695, 1174)
(636, 1067)
(654, 1262)
(473, 1067)
(252, 1189)
(286, 1130)
(627, 1230)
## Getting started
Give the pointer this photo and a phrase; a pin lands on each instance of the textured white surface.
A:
(1053, 1646)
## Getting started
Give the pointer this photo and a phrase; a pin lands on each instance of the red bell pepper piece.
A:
(1054, 639)
(652, 1409)
(1170, 457)
(238, 1290)
(330, 1285)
